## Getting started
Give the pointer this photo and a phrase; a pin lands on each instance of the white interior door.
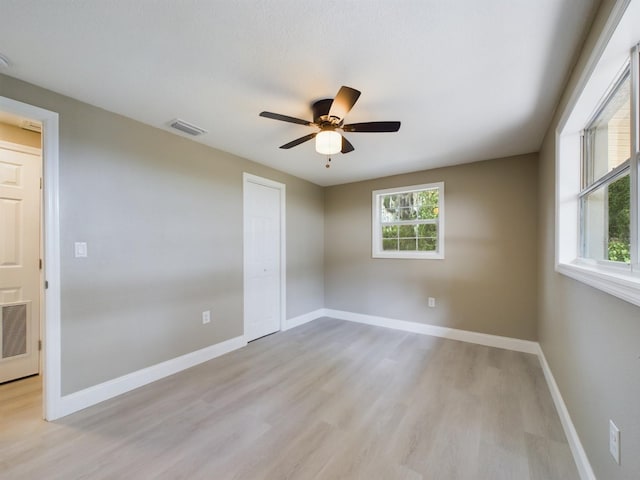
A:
(263, 256)
(20, 174)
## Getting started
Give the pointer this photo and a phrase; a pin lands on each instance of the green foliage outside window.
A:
(421, 205)
(619, 201)
(413, 207)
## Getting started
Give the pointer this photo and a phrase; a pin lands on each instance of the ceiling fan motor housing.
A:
(321, 113)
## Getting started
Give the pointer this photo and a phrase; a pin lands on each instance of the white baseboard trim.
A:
(90, 396)
(507, 343)
(98, 393)
(579, 455)
(305, 318)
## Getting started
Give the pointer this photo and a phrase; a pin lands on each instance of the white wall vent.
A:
(13, 323)
(186, 127)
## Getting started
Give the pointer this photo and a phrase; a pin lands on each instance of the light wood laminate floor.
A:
(327, 400)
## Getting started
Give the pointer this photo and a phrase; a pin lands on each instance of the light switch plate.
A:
(614, 441)
(80, 249)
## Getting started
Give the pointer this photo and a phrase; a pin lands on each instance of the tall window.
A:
(605, 196)
(598, 166)
(408, 222)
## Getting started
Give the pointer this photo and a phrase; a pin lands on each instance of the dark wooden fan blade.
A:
(285, 118)
(372, 127)
(298, 141)
(344, 102)
(346, 146)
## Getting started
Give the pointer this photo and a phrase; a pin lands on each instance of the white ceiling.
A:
(469, 80)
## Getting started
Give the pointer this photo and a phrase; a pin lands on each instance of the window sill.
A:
(622, 284)
(409, 255)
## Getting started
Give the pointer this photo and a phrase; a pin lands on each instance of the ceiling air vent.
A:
(186, 127)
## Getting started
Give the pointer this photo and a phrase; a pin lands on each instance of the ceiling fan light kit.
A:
(328, 117)
(328, 142)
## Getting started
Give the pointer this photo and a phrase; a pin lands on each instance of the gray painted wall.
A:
(488, 279)
(590, 339)
(162, 217)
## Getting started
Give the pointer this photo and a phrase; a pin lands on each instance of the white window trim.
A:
(607, 59)
(376, 239)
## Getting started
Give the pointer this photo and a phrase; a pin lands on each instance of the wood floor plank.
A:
(327, 400)
(549, 459)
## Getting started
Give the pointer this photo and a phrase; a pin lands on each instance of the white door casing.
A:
(264, 256)
(20, 281)
(53, 406)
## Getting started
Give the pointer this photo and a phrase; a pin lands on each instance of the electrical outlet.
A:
(614, 441)
(206, 317)
(432, 302)
(80, 249)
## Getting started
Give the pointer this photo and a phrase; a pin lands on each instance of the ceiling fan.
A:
(328, 117)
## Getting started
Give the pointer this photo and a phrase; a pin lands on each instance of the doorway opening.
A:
(21, 283)
(29, 254)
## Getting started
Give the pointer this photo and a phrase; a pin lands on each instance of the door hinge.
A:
(39, 345)
(40, 183)
(40, 264)
(46, 284)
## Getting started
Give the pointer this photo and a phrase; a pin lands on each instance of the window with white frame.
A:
(408, 222)
(597, 165)
(605, 196)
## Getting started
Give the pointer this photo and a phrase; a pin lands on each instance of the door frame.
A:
(249, 178)
(51, 341)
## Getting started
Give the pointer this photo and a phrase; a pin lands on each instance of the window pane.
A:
(389, 211)
(594, 221)
(409, 206)
(410, 237)
(428, 212)
(619, 216)
(427, 230)
(427, 201)
(407, 231)
(388, 214)
(608, 137)
(389, 244)
(606, 222)
(390, 231)
(408, 244)
(427, 244)
(407, 213)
